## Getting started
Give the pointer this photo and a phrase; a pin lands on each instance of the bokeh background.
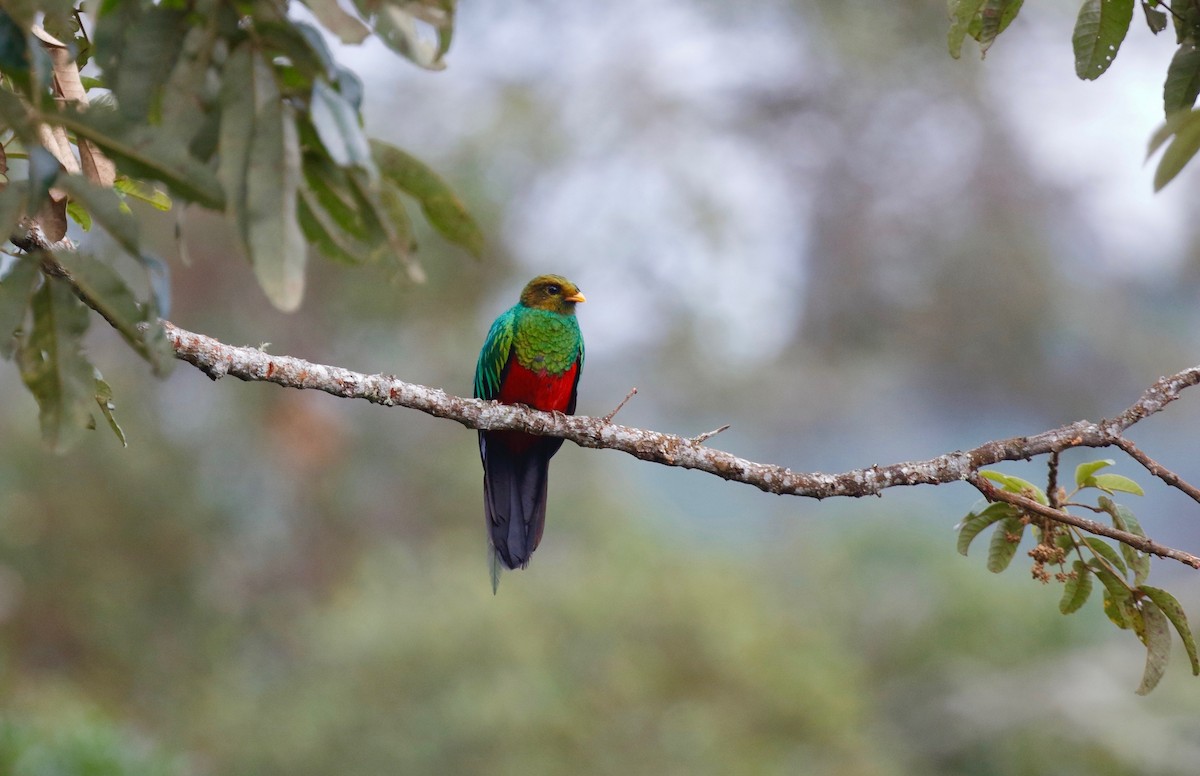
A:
(803, 219)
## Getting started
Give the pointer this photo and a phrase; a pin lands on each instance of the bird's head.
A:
(552, 292)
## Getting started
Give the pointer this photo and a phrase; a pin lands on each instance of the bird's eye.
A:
(553, 289)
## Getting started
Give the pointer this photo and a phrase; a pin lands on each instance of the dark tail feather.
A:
(514, 497)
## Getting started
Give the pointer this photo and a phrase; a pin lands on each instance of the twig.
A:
(992, 493)
(608, 418)
(1157, 469)
(701, 438)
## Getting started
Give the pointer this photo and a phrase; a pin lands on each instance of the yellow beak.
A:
(575, 297)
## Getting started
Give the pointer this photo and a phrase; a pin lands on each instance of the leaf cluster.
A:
(1080, 559)
(232, 106)
(1100, 29)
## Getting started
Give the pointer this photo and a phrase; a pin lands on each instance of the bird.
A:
(533, 356)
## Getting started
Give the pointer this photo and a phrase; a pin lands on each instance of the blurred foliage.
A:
(235, 107)
(1099, 31)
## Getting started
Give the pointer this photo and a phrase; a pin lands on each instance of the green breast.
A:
(546, 341)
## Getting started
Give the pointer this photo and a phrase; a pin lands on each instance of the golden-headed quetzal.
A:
(533, 355)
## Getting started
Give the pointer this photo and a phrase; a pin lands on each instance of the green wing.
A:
(493, 357)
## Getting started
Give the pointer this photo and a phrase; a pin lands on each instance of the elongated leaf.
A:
(337, 124)
(53, 366)
(1185, 127)
(444, 210)
(1002, 547)
(961, 14)
(104, 398)
(259, 169)
(1117, 483)
(108, 293)
(275, 241)
(397, 217)
(16, 290)
(344, 25)
(156, 198)
(1155, 633)
(1105, 550)
(1016, 485)
(1124, 519)
(1077, 589)
(1118, 598)
(1084, 471)
(1174, 612)
(1099, 31)
(974, 523)
(1183, 79)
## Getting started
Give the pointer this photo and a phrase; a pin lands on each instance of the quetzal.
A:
(533, 355)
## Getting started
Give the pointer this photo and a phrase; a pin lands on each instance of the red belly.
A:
(534, 389)
(537, 389)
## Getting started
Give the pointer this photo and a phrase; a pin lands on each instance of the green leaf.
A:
(1155, 633)
(53, 365)
(1117, 483)
(1183, 79)
(1174, 612)
(104, 398)
(156, 198)
(1185, 127)
(1116, 611)
(962, 12)
(109, 295)
(444, 210)
(16, 289)
(337, 124)
(1099, 31)
(1156, 20)
(105, 206)
(275, 241)
(1016, 485)
(1114, 584)
(992, 20)
(260, 171)
(396, 216)
(1124, 519)
(1105, 550)
(1084, 471)
(344, 25)
(398, 25)
(1076, 591)
(974, 523)
(137, 45)
(1121, 516)
(79, 215)
(1002, 548)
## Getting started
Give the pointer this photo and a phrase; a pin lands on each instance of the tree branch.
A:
(992, 493)
(217, 360)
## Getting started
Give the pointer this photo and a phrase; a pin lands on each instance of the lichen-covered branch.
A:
(217, 360)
